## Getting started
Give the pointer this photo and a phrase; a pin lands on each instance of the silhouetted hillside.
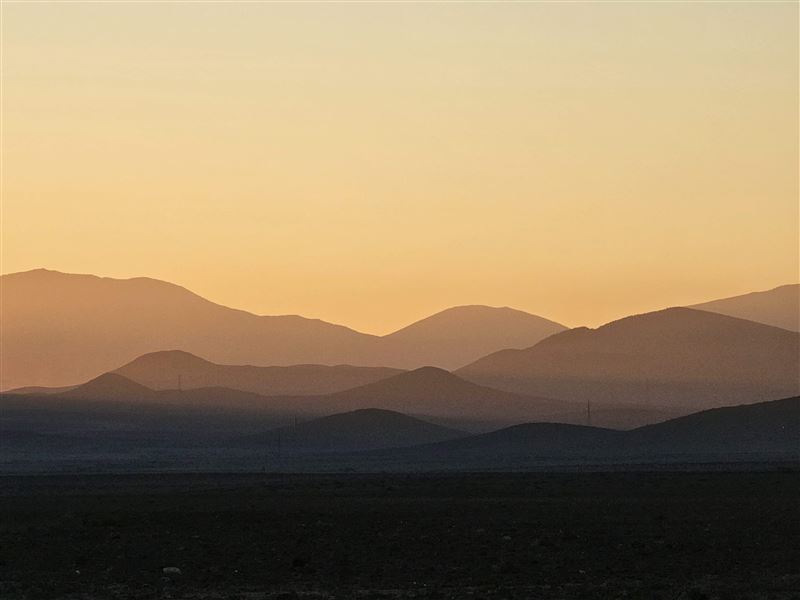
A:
(532, 441)
(677, 358)
(174, 368)
(113, 403)
(779, 307)
(60, 329)
(464, 332)
(436, 393)
(768, 427)
(39, 389)
(363, 429)
(763, 430)
(109, 386)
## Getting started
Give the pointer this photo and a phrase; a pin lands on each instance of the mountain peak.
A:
(779, 307)
(109, 386)
(462, 332)
(171, 359)
(423, 378)
(474, 314)
(356, 430)
(668, 358)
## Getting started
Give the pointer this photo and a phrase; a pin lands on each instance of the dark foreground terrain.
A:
(670, 535)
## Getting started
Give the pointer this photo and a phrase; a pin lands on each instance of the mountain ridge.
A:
(779, 307)
(728, 433)
(358, 430)
(170, 369)
(673, 357)
(62, 328)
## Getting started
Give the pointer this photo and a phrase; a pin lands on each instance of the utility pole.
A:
(588, 413)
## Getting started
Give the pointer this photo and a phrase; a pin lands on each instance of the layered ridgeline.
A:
(174, 369)
(762, 431)
(60, 329)
(779, 307)
(428, 392)
(679, 358)
(117, 422)
(358, 430)
(112, 406)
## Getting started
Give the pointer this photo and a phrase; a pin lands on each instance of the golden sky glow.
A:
(370, 164)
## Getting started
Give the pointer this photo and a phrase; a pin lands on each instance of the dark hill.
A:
(436, 393)
(779, 307)
(61, 328)
(763, 431)
(462, 333)
(675, 358)
(363, 429)
(768, 427)
(109, 386)
(173, 368)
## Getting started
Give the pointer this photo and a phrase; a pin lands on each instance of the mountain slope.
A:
(677, 357)
(533, 440)
(171, 369)
(108, 387)
(779, 307)
(40, 390)
(59, 329)
(363, 429)
(435, 393)
(464, 332)
(768, 429)
(112, 403)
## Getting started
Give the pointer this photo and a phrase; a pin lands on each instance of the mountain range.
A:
(358, 430)
(60, 329)
(172, 369)
(779, 307)
(767, 430)
(374, 439)
(681, 358)
(427, 392)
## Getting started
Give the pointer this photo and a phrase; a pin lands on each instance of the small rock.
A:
(171, 571)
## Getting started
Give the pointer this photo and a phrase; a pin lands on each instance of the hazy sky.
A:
(370, 164)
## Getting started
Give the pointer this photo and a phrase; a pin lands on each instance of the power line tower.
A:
(588, 413)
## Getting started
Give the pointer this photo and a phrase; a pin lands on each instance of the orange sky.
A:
(370, 164)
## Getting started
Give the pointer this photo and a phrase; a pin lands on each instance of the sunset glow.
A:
(369, 164)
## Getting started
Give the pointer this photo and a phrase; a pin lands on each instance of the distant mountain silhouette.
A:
(430, 392)
(169, 369)
(532, 440)
(779, 307)
(112, 402)
(768, 427)
(465, 332)
(363, 429)
(40, 389)
(60, 329)
(724, 434)
(677, 358)
(427, 392)
(117, 415)
(109, 386)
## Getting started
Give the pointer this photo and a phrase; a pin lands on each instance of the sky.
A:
(372, 163)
